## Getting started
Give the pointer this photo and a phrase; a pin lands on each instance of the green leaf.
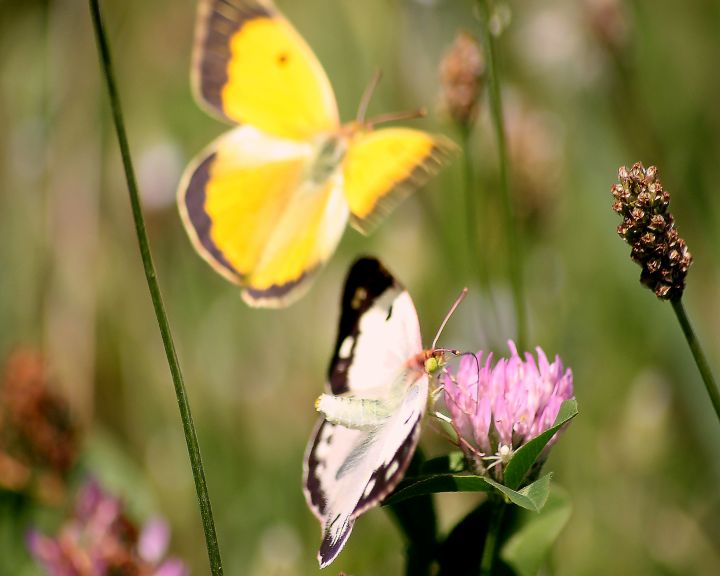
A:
(453, 462)
(421, 485)
(526, 455)
(532, 497)
(532, 540)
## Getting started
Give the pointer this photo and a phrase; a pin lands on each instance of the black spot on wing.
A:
(366, 282)
(383, 482)
(194, 199)
(314, 490)
(222, 20)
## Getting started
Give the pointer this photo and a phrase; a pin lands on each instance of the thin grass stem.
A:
(151, 276)
(698, 354)
(476, 258)
(511, 226)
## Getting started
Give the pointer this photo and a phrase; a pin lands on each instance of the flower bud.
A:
(461, 73)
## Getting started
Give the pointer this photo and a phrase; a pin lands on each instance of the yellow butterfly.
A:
(267, 202)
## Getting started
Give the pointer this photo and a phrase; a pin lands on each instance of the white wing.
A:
(348, 470)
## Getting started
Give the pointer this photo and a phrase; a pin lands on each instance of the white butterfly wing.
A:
(348, 470)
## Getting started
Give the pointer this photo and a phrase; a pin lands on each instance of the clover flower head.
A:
(100, 539)
(496, 409)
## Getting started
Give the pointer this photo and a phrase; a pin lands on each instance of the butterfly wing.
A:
(252, 213)
(347, 470)
(382, 167)
(252, 67)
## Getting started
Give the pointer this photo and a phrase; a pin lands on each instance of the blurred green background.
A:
(587, 85)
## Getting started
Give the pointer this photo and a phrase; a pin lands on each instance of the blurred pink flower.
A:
(99, 539)
(496, 409)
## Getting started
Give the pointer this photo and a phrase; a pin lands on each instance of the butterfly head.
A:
(434, 363)
(428, 361)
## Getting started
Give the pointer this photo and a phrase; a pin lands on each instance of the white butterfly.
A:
(379, 384)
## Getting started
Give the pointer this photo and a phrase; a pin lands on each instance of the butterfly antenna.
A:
(459, 299)
(395, 116)
(477, 363)
(367, 95)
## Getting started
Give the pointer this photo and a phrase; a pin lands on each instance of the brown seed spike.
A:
(649, 228)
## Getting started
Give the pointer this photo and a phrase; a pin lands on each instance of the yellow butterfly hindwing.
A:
(251, 66)
(384, 166)
(305, 237)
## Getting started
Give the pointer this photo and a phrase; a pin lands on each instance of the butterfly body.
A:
(373, 407)
(331, 153)
(267, 203)
(378, 394)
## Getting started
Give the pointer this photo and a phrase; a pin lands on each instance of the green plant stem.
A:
(511, 225)
(151, 276)
(492, 538)
(698, 354)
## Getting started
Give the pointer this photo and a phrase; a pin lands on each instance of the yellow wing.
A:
(252, 67)
(382, 167)
(252, 213)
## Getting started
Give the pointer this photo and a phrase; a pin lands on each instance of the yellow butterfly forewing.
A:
(269, 61)
(252, 67)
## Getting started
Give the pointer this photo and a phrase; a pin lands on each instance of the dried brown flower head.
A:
(38, 439)
(609, 22)
(649, 228)
(461, 73)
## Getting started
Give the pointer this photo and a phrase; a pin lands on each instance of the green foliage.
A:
(525, 456)
(534, 534)
(418, 522)
(419, 486)
(451, 462)
(532, 497)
